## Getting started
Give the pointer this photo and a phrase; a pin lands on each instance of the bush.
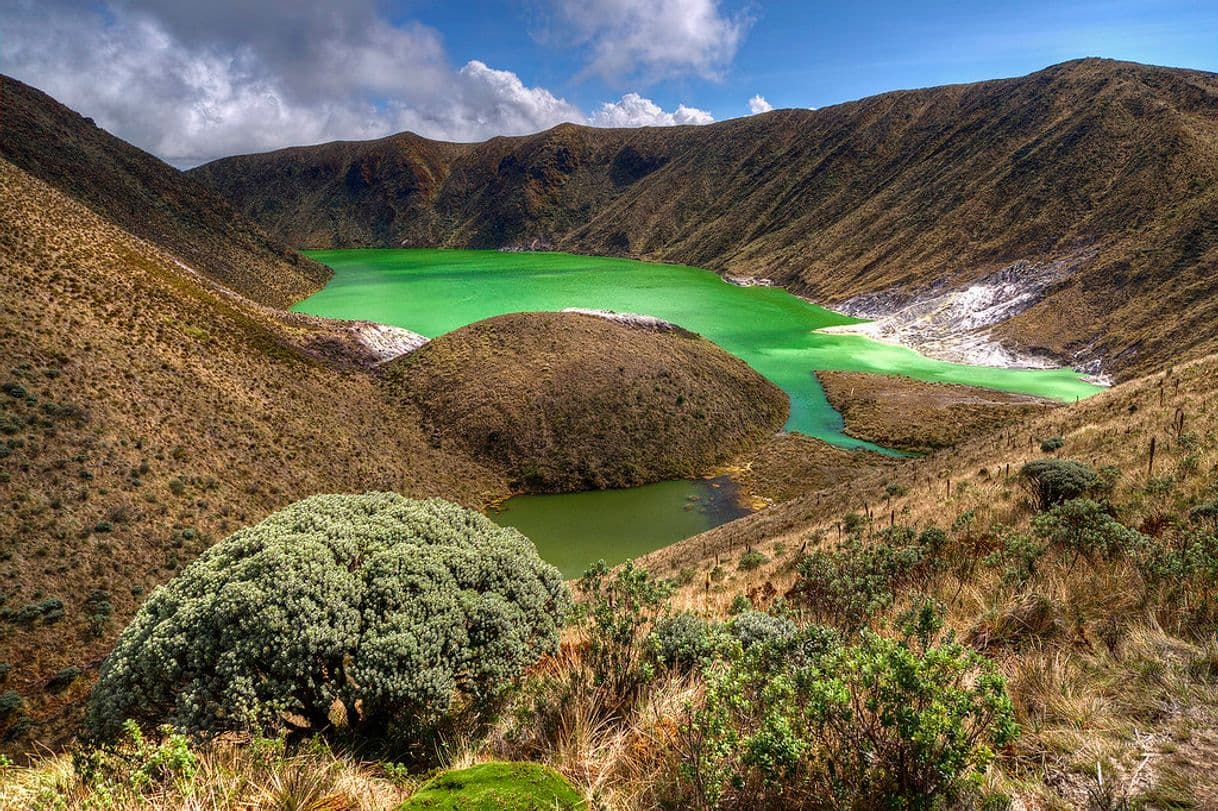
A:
(1052, 481)
(849, 585)
(63, 679)
(756, 627)
(10, 702)
(134, 765)
(903, 723)
(372, 611)
(682, 640)
(751, 560)
(1051, 444)
(617, 613)
(1084, 527)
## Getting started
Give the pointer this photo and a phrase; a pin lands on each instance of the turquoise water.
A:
(434, 291)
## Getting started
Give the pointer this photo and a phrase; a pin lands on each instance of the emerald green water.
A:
(434, 291)
(574, 530)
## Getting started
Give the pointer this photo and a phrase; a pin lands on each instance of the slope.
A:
(1089, 188)
(149, 198)
(147, 412)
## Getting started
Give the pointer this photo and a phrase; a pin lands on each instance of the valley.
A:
(644, 468)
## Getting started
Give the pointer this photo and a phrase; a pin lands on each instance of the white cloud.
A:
(758, 104)
(632, 110)
(183, 81)
(651, 39)
(195, 81)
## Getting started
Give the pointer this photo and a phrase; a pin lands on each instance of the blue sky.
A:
(799, 54)
(195, 81)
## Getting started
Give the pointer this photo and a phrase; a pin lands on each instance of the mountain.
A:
(149, 198)
(1082, 198)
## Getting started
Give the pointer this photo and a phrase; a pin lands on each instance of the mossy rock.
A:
(497, 787)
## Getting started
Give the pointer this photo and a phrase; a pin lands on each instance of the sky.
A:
(194, 80)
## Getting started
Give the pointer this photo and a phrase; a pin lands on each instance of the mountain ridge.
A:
(906, 193)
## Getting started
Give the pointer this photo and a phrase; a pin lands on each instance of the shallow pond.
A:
(574, 530)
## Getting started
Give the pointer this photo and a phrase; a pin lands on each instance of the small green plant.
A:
(752, 560)
(1086, 528)
(63, 679)
(133, 764)
(758, 628)
(617, 612)
(1051, 444)
(681, 641)
(913, 719)
(851, 584)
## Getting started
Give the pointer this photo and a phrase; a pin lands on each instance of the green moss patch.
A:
(497, 787)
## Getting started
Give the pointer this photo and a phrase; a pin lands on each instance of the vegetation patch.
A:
(373, 613)
(497, 787)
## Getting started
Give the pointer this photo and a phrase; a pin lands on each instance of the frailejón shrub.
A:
(371, 611)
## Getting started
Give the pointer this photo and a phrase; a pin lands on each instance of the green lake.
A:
(434, 291)
(574, 530)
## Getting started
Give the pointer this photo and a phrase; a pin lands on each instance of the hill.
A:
(146, 412)
(1082, 197)
(572, 401)
(149, 198)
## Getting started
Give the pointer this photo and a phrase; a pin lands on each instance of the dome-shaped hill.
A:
(570, 401)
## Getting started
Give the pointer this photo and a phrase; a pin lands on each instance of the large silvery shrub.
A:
(373, 611)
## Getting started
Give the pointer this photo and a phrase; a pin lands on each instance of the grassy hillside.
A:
(147, 412)
(149, 198)
(1096, 619)
(1099, 173)
(568, 401)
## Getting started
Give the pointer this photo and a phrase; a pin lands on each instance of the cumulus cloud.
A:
(194, 81)
(632, 110)
(650, 39)
(758, 104)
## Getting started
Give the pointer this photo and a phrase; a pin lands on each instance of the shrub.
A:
(617, 613)
(849, 585)
(902, 723)
(133, 765)
(751, 560)
(1052, 481)
(10, 702)
(1084, 527)
(63, 679)
(682, 640)
(756, 627)
(1051, 444)
(373, 611)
